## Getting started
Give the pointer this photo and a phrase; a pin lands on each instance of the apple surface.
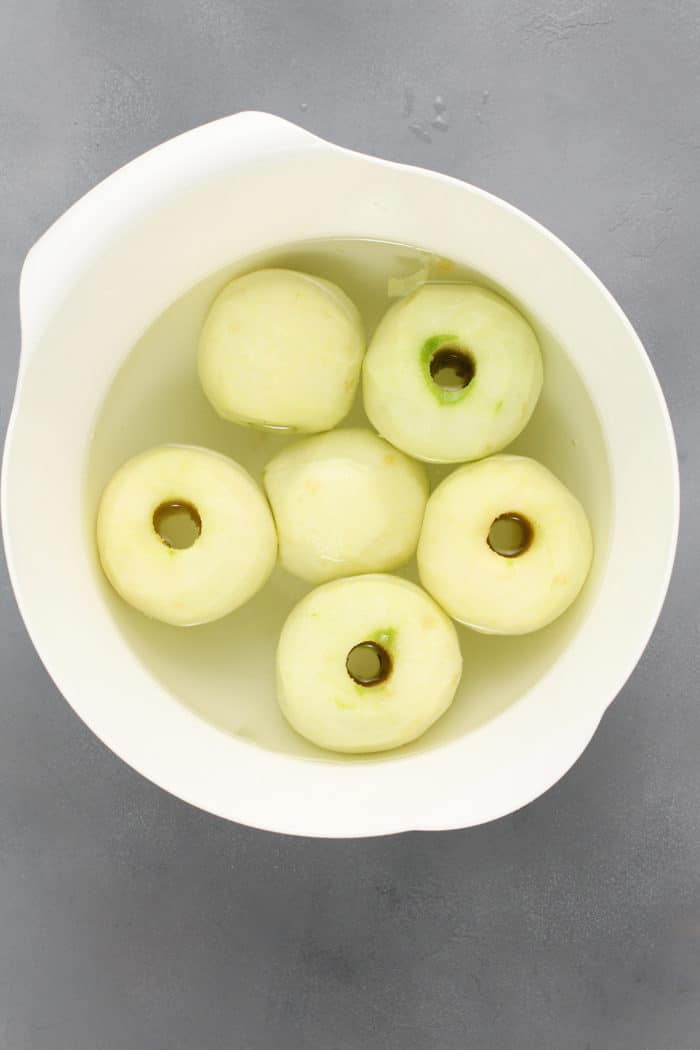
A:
(453, 373)
(505, 547)
(366, 664)
(283, 350)
(184, 534)
(345, 502)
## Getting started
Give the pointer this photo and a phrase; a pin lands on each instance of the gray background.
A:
(128, 919)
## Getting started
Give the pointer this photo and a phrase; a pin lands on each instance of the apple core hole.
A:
(510, 535)
(368, 663)
(452, 368)
(178, 524)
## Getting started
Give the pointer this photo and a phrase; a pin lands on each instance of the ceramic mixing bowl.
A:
(112, 297)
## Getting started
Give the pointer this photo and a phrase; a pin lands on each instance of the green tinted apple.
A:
(366, 664)
(452, 373)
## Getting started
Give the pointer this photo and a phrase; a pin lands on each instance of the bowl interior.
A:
(224, 671)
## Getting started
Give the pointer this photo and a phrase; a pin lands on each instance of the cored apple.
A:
(452, 373)
(184, 534)
(505, 547)
(366, 664)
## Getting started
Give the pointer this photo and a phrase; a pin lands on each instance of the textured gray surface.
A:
(128, 919)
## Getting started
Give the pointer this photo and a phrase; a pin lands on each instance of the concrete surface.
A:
(128, 919)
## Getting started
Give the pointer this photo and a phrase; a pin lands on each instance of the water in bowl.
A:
(225, 671)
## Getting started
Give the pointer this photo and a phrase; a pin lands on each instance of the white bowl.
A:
(135, 263)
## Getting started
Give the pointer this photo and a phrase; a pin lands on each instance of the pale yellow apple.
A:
(345, 502)
(366, 664)
(217, 542)
(505, 547)
(281, 349)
